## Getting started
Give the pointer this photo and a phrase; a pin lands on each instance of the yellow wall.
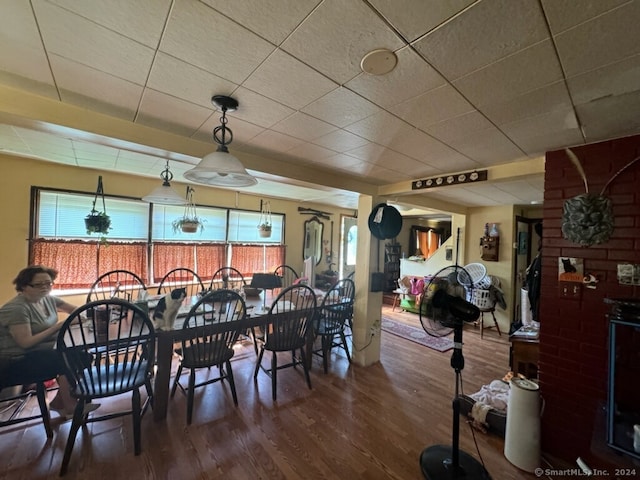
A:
(504, 217)
(19, 174)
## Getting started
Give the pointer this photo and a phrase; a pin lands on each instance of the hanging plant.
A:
(189, 222)
(264, 227)
(98, 221)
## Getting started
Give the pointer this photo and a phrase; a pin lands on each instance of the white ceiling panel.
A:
(478, 84)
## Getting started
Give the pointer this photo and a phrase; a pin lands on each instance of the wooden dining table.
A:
(255, 317)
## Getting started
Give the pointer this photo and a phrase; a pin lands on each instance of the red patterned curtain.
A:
(167, 256)
(124, 256)
(275, 255)
(210, 258)
(257, 258)
(75, 260)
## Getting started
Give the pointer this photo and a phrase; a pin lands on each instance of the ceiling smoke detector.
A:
(379, 62)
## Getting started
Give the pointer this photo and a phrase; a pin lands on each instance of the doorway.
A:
(348, 245)
(527, 246)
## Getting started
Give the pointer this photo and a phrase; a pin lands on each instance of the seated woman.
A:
(28, 328)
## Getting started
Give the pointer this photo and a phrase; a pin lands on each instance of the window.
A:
(142, 239)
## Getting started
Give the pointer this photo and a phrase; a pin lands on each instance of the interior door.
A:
(348, 245)
(527, 244)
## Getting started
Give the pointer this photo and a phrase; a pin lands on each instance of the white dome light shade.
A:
(166, 195)
(220, 168)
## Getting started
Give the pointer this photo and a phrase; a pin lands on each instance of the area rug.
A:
(417, 335)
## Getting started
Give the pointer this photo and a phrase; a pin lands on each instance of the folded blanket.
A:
(495, 395)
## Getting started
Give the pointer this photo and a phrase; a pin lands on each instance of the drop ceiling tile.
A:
(525, 191)
(340, 141)
(411, 77)
(88, 148)
(459, 127)
(271, 20)
(303, 126)
(230, 50)
(56, 157)
(310, 152)
(461, 196)
(340, 161)
(605, 39)
(185, 117)
(92, 89)
(182, 80)
(564, 15)
(615, 79)
(512, 76)
(434, 106)
(9, 137)
(288, 81)
(488, 147)
(539, 101)
(496, 194)
(275, 141)
(21, 51)
(341, 107)
(610, 117)
(142, 20)
(335, 37)
(548, 131)
(71, 36)
(258, 109)
(482, 34)
(381, 127)
(413, 19)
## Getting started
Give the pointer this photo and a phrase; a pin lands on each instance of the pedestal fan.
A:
(443, 310)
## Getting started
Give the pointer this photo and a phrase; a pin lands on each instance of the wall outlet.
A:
(375, 328)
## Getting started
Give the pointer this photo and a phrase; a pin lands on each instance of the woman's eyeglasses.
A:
(41, 285)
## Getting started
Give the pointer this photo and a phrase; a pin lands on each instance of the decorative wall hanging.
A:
(453, 179)
(98, 221)
(189, 222)
(587, 219)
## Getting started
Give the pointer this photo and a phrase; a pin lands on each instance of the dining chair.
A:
(15, 400)
(288, 275)
(121, 284)
(291, 316)
(108, 347)
(334, 314)
(205, 349)
(227, 278)
(181, 278)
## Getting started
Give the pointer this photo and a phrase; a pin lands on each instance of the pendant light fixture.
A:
(164, 193)
(220, 167)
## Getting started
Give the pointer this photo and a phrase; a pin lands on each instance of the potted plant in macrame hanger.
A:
(98, 221)
(264, 227)
(189, 222)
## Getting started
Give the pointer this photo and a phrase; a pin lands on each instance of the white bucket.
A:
(522, 436)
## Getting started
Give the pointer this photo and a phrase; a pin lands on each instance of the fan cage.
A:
(473, 274)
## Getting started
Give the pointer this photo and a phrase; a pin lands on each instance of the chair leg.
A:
(232, 383)
(481, 324)
(258, 363)
(190, 394)
(495, 322)
(255, 340)
(176, 380)
(305, 367)
(344, 345)
(76, 423)
(41, 391)
(274, 373)
(326, 349)
(137, 421)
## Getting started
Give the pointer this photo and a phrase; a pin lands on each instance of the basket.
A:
(481, 298)
(472, 274)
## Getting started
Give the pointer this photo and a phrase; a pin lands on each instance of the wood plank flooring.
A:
(356, 423)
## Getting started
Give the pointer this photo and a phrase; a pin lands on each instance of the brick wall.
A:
(574, 332)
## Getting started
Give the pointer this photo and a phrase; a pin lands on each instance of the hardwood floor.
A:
(356, 423)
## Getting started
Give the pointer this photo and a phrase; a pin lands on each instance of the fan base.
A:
(436, 464)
